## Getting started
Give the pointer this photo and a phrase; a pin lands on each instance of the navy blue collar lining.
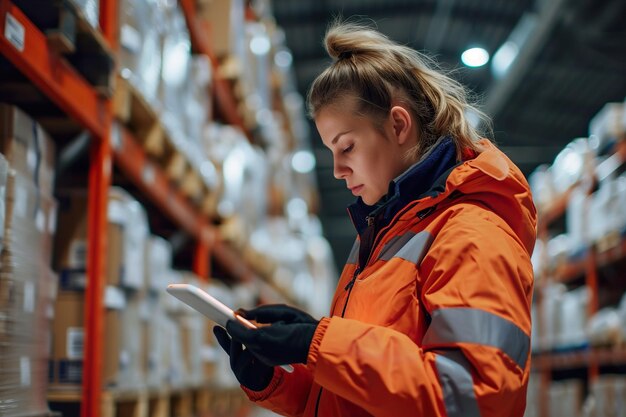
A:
(417, 181)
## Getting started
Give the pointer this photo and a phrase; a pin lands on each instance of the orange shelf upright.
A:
(99, 182)
(26, 47)
(100, 177)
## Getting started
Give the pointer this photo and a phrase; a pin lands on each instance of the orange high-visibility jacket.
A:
(437, 323)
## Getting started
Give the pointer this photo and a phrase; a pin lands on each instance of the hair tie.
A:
(345, 55)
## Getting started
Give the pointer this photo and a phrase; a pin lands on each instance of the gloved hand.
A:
(285, 341)
(249, 370)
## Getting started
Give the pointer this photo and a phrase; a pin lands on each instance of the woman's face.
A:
(366, 158)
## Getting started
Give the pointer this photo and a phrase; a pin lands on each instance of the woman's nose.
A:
(340, 170)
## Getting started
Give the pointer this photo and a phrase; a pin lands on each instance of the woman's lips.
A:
(355, 190)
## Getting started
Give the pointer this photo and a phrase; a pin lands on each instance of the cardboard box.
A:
(115, 254)
(70, 247)
(130, 237)
(27, 147)
(30, 219)
(226, 19)
(158, 261)
(127, 232)
(156, 350)
(69, 337)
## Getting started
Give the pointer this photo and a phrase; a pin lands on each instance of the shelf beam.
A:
(580, 359)
(152, 181)
(26, 47)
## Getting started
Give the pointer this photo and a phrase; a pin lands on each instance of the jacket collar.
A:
(425, 177)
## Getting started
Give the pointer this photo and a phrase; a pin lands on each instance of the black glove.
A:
(249, 371)
(285, 341)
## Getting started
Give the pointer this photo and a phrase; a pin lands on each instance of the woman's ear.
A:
(402, 123)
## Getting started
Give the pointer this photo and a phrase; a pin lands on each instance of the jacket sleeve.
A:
(287, 393)
(475, 282)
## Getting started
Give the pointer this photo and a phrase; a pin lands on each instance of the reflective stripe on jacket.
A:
(438, 321)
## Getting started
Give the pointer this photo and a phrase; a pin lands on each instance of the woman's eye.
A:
(348, 149)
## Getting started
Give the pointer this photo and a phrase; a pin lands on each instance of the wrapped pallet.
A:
(27, 283)
(27, 291)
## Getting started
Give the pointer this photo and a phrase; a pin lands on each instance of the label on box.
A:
(53, 285)
(52, 221)
(75, 342)
(78, 254)
(114, 298)
(49, 314)
(21, 201)
(29, 297)
(14, 32)
(73, 279)
(40, 221)
(31, 159)
(70, 372)
(25, 371)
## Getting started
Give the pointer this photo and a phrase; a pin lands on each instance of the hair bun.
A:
(347, 39)
(343, 40)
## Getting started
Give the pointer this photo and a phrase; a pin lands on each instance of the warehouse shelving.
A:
(26, 47)
(597, 257)
(28, 50)
(585, 268)
(200, 42)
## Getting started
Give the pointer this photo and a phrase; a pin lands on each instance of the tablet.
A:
(209, 306)
(206, 304)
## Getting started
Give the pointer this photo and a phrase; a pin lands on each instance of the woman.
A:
(431, 316)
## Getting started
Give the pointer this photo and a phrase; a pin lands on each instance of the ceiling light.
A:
(503, 58)
(475, 57)
(507, 53)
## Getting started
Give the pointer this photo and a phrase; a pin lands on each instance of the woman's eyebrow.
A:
(336, 138)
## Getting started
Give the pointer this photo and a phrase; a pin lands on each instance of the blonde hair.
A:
(379, 73)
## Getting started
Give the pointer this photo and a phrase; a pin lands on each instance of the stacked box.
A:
(566, 398)
(27, 291)
(127, 232)
(68, 341)
(226, 19)
(609, 392)
(140, 40)
(27, 147)
(158, 264)
(175, 73)
(124, 295)
(155, 336)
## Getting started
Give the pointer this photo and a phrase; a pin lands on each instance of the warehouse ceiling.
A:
(571, 60)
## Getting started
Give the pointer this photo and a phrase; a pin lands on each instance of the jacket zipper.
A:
(350, 285)
(343, 312)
